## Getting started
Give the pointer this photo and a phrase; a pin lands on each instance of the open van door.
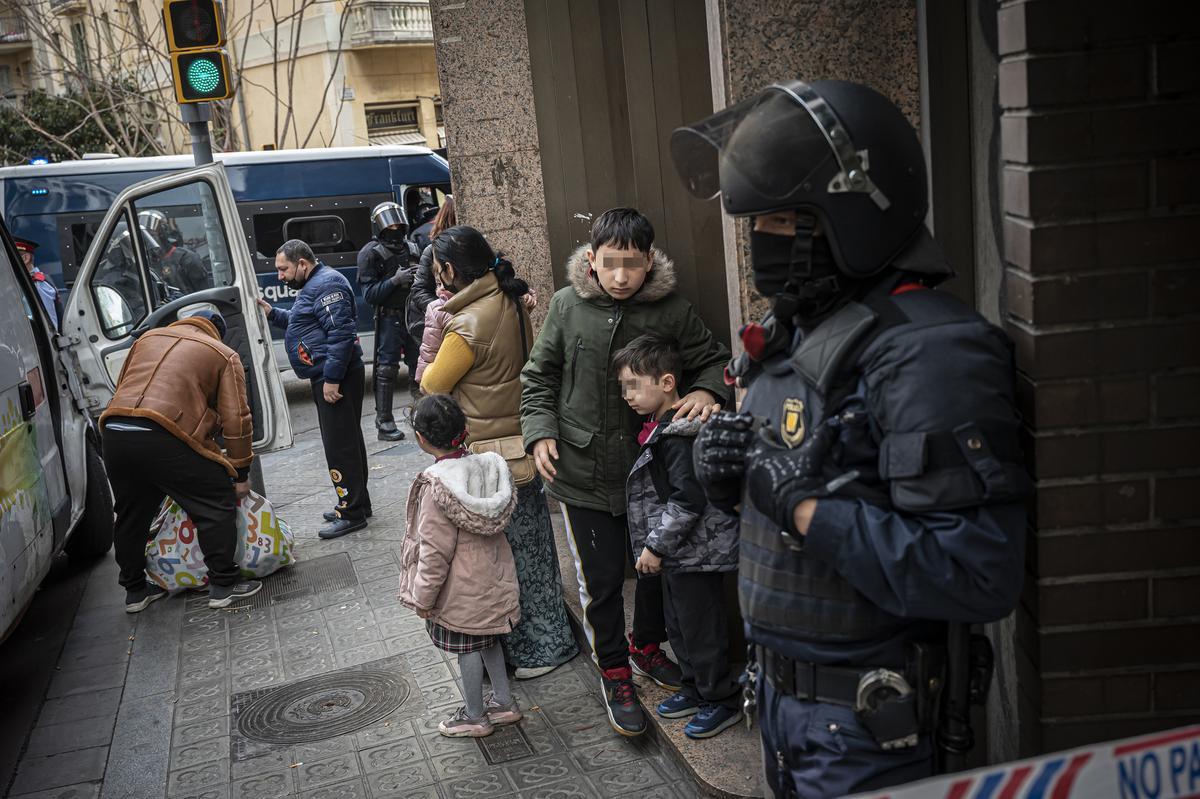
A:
(168, 247)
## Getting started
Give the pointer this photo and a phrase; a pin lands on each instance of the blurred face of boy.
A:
(646, 395)
(620, 271)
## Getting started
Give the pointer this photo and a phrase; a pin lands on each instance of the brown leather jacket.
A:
(490, 393)
(183, 378)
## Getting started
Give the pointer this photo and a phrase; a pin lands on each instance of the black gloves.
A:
(719, 456)
(779, 478)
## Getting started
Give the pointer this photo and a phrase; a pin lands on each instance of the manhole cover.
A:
(306, 578)
(322, 707)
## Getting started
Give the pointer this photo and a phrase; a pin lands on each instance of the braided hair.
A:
(440, 421)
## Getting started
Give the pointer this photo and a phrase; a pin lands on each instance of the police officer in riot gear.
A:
(385, 274)
(875, 458)
(181, 267)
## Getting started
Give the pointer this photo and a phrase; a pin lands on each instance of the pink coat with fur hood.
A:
(455, 560)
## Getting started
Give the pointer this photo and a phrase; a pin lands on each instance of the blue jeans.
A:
(813, 750)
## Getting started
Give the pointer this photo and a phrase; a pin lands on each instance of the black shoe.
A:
(222, 596)
(137, 601)
(340, 527)
(625, 714)
(389, 432)
(331, 515)
(650, 661)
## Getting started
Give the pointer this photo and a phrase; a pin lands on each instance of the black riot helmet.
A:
(835, 150)
(387, 214)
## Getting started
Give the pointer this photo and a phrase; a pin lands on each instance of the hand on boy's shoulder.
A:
(699, 403)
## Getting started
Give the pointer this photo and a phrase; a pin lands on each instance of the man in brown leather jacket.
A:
(180, 385)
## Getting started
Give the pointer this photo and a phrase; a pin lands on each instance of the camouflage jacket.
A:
(667, 508)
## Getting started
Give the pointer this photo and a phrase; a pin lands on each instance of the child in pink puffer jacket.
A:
(435, 326)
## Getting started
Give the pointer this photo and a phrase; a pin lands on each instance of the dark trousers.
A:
(600, 544)
(395, 342)
(145, 466)
(814, 749)
(694, 607)
(345, 450)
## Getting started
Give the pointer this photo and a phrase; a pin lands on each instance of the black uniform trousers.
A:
(395, 342)
(600, 544)
(341, 435)
(146, 465)
(694, 607)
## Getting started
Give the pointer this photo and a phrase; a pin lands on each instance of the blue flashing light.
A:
(39, 160)
(39, 192)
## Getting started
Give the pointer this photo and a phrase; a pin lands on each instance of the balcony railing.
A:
(13, 31)
(64, 6)
(381, 22)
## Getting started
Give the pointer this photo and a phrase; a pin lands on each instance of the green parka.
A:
(570, 393)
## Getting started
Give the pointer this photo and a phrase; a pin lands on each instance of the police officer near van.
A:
(386, 267)
(47, 291)
(875, 458)
(321, 339)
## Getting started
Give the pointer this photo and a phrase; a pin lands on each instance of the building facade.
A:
(344, 73)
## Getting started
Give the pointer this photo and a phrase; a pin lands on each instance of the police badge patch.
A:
(791, 427)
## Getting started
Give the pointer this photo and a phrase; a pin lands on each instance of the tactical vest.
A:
(871, 363)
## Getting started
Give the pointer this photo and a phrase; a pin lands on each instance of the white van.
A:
(54, 492)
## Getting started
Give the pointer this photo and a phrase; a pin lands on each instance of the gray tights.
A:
(471, 665)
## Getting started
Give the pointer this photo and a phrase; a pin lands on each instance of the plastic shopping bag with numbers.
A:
(173, 557)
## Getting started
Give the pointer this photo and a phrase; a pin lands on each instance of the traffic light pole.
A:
(197, 115)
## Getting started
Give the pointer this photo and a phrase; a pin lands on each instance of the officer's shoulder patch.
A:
(332, 297)
(791, 426)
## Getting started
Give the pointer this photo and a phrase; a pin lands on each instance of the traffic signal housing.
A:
(195, 33)
(201, 76)
(193, 24)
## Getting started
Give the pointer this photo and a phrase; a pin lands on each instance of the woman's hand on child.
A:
(648, 562)
(697, 403)
(545, 452)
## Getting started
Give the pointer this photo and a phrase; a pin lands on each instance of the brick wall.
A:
(1101, 193)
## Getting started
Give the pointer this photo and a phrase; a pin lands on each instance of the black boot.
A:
(385, 424)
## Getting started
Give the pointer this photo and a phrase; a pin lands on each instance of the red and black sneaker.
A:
(624, 712)
(650, 661)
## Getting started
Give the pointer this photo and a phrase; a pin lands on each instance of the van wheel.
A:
(93, 536)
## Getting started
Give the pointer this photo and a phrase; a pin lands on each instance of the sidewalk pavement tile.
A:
(54, 739)
(88, 790)
(137, 762)
(40, 773)
(190, 779)
(83, 681)
(82, 706)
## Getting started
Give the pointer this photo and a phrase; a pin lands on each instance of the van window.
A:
(182, 228)
(118, 288)
(335, 227)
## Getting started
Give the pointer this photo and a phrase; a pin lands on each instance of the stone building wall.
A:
(1102, 209)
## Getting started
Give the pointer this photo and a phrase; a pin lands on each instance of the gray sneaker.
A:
(137, 601)
(222, 596)
(500, 714)
(460, 725)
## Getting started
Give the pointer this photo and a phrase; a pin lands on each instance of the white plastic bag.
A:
(174, 560)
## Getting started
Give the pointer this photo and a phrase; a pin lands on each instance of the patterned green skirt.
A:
(544, 636)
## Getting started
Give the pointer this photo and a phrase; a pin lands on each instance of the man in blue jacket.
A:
(322, 345)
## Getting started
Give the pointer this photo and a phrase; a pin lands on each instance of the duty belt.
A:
(385, 311)
(810, 682)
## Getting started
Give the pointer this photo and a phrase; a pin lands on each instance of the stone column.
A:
(491, 131)
(753, 43)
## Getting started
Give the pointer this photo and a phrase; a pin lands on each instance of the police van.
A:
(54, 492)
(323, 196)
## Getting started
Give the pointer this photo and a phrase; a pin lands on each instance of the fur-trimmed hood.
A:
(660, 283)
(475, 492)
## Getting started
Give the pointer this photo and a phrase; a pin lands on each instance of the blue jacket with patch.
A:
(321, 335)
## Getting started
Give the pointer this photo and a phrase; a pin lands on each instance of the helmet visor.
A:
(771, 147)
(388, 215)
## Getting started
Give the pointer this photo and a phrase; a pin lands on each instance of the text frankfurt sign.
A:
(391, 117)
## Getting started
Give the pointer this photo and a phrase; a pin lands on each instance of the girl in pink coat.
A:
(457, 570)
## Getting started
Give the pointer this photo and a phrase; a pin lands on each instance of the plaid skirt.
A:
(455, 642)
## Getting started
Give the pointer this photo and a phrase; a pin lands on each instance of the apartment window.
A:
(135, 17)
(106, 23)
(79, 41)
(5, 79)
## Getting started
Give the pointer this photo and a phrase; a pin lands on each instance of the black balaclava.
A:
(798, 274)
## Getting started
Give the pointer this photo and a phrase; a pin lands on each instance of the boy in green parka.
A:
(583, 436)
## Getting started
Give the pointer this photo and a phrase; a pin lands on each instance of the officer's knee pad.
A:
(386, 371)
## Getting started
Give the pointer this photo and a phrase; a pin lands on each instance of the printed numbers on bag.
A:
(187, 531)
(165, 565)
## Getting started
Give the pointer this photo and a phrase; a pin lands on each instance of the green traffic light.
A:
(203, 75)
